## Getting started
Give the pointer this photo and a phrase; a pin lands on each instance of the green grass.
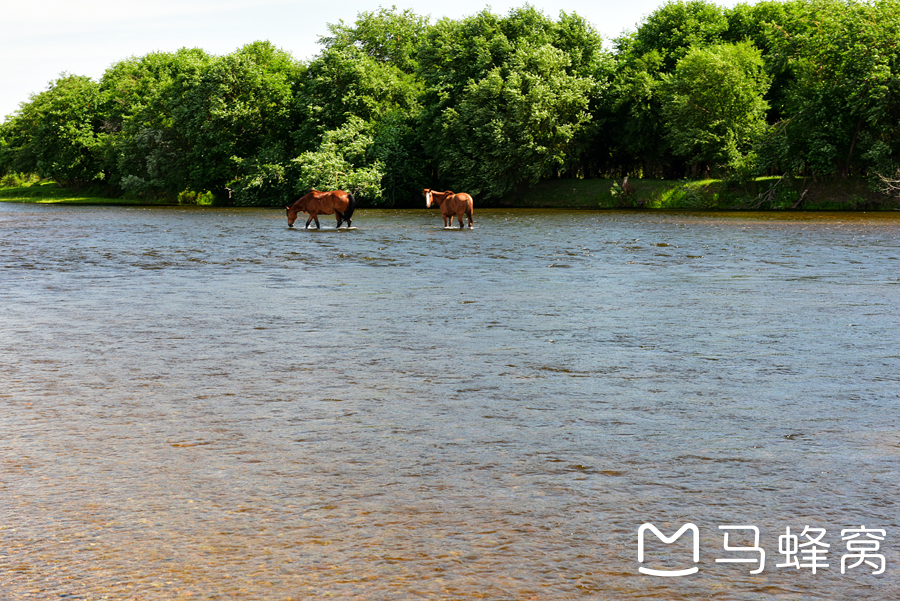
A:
(577, 194)
(598, 194)
(45, 192)
(765, 193)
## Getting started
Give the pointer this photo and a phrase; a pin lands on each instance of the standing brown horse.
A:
(451, 204)
(318, 203)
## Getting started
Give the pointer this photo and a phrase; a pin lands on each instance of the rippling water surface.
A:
(203, 404)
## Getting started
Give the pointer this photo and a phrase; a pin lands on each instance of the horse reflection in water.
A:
(316, 203)
(451, 204)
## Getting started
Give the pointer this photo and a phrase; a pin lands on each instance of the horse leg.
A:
(307, 222)
(339, 217)
(318, 227)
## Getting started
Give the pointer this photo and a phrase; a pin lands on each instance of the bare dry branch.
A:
(889, 186)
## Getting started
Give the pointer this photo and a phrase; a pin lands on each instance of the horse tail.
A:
(351, 206)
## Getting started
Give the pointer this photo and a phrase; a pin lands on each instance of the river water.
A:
(203, 404)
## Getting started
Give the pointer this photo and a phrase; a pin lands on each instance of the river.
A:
(203, 404)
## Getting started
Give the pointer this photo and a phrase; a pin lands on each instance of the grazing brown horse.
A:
(318, 203)
(451, 204)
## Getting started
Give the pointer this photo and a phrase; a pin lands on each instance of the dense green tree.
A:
(187, 120)
(516, 124)
(368, 70)
(673, 29)
(637, 143)
(240, 107)
(396, 146)
(644, 57)
(352, 82)
(756, 23)
(57, 133)
(714, 107)
(8, 154)
(141, 95)
(265, 178)
(344, 82)
(388, 36)
(505, 103)
(341, 162)
(841, 110)
(137, 89)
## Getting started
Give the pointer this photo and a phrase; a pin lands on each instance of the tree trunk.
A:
(852, 146)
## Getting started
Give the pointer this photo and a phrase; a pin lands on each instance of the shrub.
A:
(189, 197)
(17, 180)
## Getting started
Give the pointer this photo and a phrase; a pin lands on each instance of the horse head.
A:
(291, 216)
(427, 194)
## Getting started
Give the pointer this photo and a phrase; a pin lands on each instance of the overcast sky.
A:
(43, 38)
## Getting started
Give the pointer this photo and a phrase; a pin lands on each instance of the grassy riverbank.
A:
(772, 193)
(763, 194)
(51, 193)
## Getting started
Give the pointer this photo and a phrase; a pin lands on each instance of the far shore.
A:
(763, 194)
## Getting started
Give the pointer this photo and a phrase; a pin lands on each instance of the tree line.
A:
(488, 104)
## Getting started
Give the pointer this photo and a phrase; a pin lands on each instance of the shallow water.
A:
(203, 404)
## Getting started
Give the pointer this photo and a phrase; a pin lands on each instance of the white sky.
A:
(43, 38)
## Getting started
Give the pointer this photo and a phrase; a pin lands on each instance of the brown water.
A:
(203, 404)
